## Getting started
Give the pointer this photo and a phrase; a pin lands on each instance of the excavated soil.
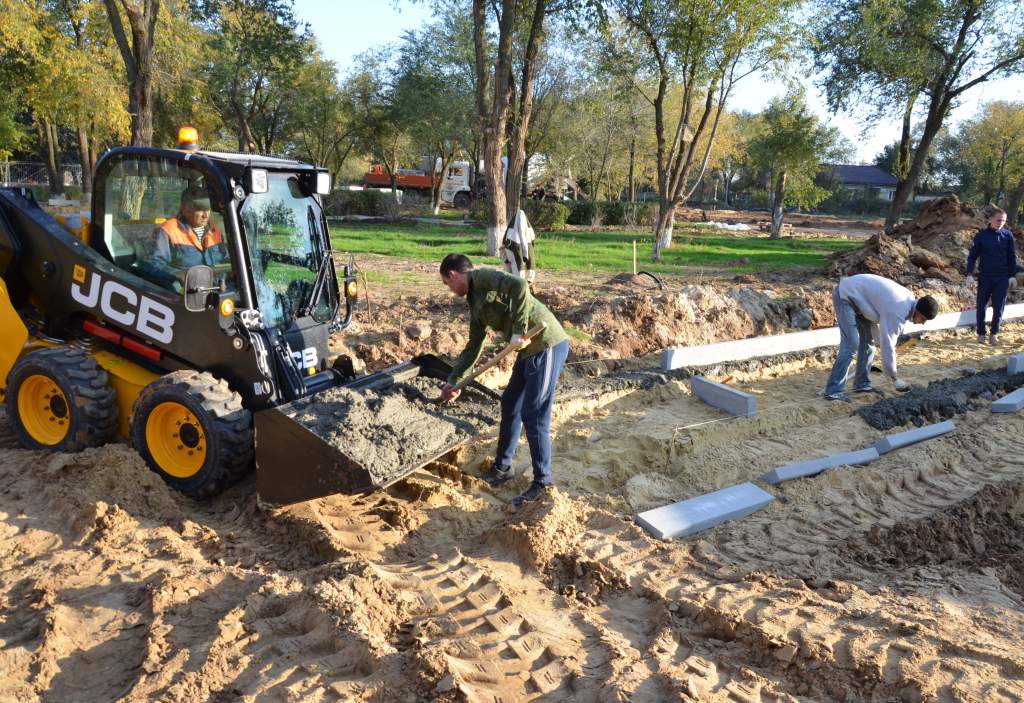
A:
(941, 400)
(982, 532)
(899, 580)
(390, 430)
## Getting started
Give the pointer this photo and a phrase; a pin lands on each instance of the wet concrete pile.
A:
(393, 430)
(940, 400)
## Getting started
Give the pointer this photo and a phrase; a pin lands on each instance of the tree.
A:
(380, 131)
(61, 69)
(260, 47)
(704, 47)
(986, 154)
(731, 148)
(137, 54)
(917, 57)
(324, 130)
(792, 148)
(433, 92)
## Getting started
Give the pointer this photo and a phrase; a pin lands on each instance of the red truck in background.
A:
(456, 187)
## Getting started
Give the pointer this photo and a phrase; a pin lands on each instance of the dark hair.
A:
(928, 307)
(455, 262)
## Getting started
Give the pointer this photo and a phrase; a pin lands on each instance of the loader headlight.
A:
(323, 183)
(351, 289)
(257, 181)
(227, 307)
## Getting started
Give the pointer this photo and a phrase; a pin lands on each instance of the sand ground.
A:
(902, 580)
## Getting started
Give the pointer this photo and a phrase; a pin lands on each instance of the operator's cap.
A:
(197, 197)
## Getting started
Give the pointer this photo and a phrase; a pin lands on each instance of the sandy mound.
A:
(540, 530)
(981, 532)
(932, 245)
(113, 474)
(639, 324)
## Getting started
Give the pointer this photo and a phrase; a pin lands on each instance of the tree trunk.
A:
(663, 228)
(778, 206)
(1013, 204)
(83, 157)
(142, 108)
(51, 154)
(493, 119)
(632, 168)
(138, 61)
(936, 113)
(517, 144)
(447, 157)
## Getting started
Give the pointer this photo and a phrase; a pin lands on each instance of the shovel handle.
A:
(498, 357)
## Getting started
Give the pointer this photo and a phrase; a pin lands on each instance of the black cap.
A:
(928, 307)
(197, 197)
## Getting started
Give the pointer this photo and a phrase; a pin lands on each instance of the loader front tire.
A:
(60, 399)
(192, 430)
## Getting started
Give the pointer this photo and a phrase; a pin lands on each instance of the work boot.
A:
(993, 339)
(867, 389)
(535, 491)
(981, 338)
(499, 475)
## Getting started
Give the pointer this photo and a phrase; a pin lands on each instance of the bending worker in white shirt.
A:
(867, 307)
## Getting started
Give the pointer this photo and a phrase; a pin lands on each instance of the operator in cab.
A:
(190, 238)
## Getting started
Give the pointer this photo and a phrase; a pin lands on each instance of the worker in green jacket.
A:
(503, 302)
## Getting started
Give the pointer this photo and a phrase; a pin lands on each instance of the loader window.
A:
(288, 245)
(160, 217)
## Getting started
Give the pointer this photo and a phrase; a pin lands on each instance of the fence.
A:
(30, 173)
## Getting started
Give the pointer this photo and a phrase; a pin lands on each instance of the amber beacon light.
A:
(188, 138)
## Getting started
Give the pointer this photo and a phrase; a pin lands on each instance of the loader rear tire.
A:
(60, 399)
(193, 431)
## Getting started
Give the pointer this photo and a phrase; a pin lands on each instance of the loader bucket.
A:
(294, 463)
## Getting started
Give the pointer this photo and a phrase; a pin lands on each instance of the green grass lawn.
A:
(594, 251)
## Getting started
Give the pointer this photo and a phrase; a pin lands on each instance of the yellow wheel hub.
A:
(43, 409)
(176, 439)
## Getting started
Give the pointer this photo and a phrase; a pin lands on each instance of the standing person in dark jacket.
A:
(503, 302)
(996, 253)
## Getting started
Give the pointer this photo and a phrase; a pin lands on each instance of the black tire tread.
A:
(232, 423)
(91, 394)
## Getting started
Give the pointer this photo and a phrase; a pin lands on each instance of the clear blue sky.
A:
(347, 28)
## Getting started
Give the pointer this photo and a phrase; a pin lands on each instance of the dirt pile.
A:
(634, 325)
(981, 532)
(393, 429)
(932, 245)
(940, 400)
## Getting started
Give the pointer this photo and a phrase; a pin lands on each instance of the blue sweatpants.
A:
(992, 288)
(527, 400)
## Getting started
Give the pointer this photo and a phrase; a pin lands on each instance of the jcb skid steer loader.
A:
(186, 344)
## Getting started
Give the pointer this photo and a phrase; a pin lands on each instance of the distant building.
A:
(866, 181)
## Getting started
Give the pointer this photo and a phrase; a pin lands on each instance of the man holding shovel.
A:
(503, 302)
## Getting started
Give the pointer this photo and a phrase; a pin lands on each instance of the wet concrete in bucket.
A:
(393, 430)
(940, 400)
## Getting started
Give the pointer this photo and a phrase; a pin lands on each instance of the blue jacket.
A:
(996, 253)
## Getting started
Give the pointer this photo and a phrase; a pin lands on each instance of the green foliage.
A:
(544, 215)
(986, 153)
(584, 212)
(612, 213)
(792, 141)
(259, 47)
(372, 203)
(479, 211)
